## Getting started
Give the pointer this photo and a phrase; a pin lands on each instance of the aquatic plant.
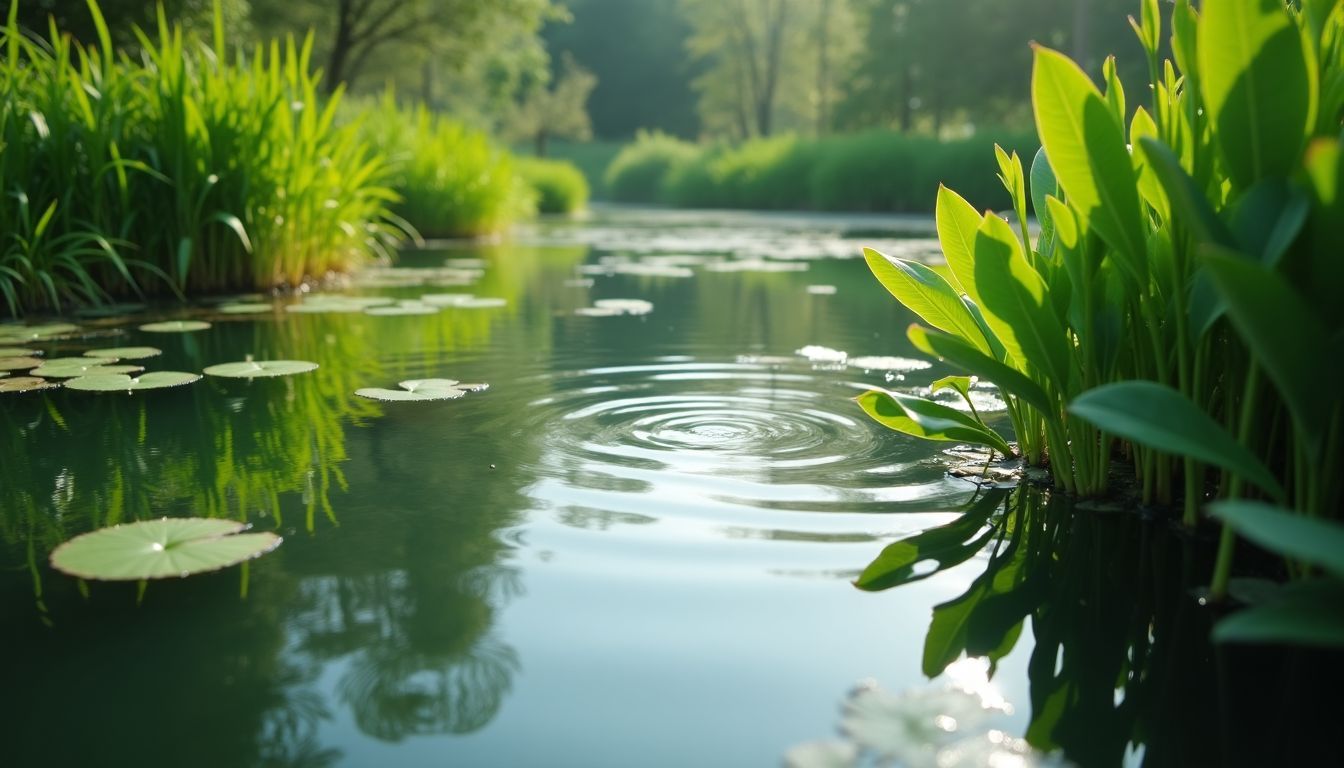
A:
(160, 549)
(250, 181)
(1178, 307)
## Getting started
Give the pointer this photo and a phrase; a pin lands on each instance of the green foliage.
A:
(637, 173)
(1180, 302)
(452, 181)
(559, 186)
(874, 171)
(190, 167)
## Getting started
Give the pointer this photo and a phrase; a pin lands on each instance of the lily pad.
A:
(26, 384)
(244, 308)
(100, 381)
(160, 549)
(18, 352)
(18, 363)
(403, 308)
(446, 299)
(176, 326)
(31, 332)
(625, 306)
(125, 353)
(421, 390)
(256, 369)
(482, 302)
(93, 367)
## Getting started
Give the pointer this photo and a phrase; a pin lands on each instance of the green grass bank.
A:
(871, 171)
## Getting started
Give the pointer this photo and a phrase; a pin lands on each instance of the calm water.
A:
(634, 549)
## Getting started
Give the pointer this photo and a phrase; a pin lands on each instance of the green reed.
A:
(194, 166)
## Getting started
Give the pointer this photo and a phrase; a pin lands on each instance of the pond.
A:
(636, 547)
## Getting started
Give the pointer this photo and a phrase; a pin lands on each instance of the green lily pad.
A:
(31, 332)
(18, 363)
(125, 353)
(18, 352)
(446, 299)
(241, 308)
(482, 302)
(175, 326)
(160, 549)
(421, 390)
(403, 308)
(255, 369)
(26, 384)
(93, 367)
(114, 382)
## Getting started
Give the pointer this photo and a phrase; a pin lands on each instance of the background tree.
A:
(559, 111)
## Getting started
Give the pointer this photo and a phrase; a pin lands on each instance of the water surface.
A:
(635, 548)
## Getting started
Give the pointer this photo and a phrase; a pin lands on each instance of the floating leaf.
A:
(176, 326)
(92, 366)
(18, 363)
(125, 353)
(625, 306)
(18, 352)
(483, 302)
(114, 382)
(31, 332)
(402, 309)
(26, 384)
(597, 312)
(446, 299)
(160, 549)
(244, 308)
(255, 369)
(421, 389)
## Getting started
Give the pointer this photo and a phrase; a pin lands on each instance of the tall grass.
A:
(192, 167)
(872, 171)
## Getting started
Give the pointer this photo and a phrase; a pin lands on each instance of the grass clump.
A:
(557, 186)
(192, 167)
(873, 171)
(452, 181)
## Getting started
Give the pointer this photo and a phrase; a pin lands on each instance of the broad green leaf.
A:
(111, 382)
(928, 420)
(175, 326)
(1285, 532)
(959, 384)
(1163, 419)
(1304, 613)
(26, 384)
(1086, 146)
(421, 390)
(957, 222)
(257, 369)
(949, 632)
(160, 549)
(1259, 85)
(125, 353)
(957, 352)
(1283, 333)
(1150, 189)
(1017, 306)
(947, 545)
(1189, 207)
(1268, 218)
(1043, 184)
(92, 366)
(18, 352)
(927, 294)
(19, 363)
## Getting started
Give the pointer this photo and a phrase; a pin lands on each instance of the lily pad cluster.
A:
(160, 549)
(416, 390)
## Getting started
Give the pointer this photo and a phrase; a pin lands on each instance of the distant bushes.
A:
(557, 186)
(872, 171)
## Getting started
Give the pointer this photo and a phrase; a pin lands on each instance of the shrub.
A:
(558, 186)
(638, 172)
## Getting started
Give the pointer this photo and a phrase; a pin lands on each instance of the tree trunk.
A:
(340, 47)
(765, 107)
(824, 68)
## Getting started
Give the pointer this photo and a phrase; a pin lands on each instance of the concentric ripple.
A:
(704, 438)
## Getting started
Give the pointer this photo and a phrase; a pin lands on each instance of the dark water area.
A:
(635, 548)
